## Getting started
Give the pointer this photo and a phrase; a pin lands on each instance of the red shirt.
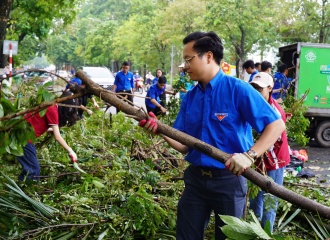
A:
(278, 155)
(41, 124)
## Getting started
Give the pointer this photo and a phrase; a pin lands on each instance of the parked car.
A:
(40, 78)
(100, 75)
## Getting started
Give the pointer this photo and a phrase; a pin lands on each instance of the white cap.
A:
(182, 65)
(263, 79)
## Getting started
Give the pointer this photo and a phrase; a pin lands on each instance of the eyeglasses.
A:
(186, 62)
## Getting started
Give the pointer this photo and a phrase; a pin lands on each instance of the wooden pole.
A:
(263, 182)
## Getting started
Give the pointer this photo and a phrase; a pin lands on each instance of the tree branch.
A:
(41, 106)
(263, 182)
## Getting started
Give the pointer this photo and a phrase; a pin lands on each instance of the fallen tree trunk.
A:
(263, 182)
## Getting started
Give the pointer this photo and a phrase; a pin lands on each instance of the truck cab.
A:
(309, 65)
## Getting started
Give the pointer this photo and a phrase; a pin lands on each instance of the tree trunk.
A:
(321, 32)
(263, 182)
(5, 7)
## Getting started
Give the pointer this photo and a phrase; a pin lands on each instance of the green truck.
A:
(310, 68)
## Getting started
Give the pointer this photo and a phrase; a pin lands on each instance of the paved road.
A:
(138, 101)
(318, 161)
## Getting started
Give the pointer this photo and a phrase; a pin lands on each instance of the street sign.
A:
(14, 45)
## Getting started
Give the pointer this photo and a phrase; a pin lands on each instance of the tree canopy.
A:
(148, 33)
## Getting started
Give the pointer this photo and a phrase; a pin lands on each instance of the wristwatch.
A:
(252, 154)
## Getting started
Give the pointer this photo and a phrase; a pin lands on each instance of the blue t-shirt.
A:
(252, 75)
(124, 81)
(188, 87)
(155, 80)
(154, 92)
(280, 81)
(222, 116)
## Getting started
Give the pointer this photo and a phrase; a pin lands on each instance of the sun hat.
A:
(182, 65)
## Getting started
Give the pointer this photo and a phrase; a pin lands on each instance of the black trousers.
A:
(156, 110)
(163, 100)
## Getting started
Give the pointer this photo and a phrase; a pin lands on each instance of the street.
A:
(138, 101)
(318, 162)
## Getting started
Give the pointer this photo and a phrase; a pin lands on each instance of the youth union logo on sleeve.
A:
(221, 116)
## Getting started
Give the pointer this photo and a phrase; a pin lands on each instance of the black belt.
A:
(124, 91)
(209, 172)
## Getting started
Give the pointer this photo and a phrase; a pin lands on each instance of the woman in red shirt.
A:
(273, 161)
(48, 122)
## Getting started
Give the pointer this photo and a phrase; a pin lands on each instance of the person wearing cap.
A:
(274, 160)
(182, 73)
(220, 111)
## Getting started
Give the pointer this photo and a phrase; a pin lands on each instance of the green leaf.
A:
(238, 229)
(48, 84)
(289, 219)
(102, 235)
(2, 112)
(47, 96)
(234, 232)
(98, 184)
(67, 236)
(257, 229)
(39, 98)
(42, 112)
(13, 142)
(7, 106)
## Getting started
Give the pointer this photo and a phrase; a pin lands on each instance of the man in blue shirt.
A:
(159, 72)
(281, 83)
(153, 101)
(124, 83)
(220, 111)
(250, 68)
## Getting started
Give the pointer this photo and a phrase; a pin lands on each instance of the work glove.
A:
(238, 162)
(73, 156)
(150, 124)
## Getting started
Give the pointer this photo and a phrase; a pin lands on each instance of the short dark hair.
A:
(257, 64)
(204, 42)
(265, 65)
(247, 64)
(282, 68)
(125, 64)
(162, 79)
